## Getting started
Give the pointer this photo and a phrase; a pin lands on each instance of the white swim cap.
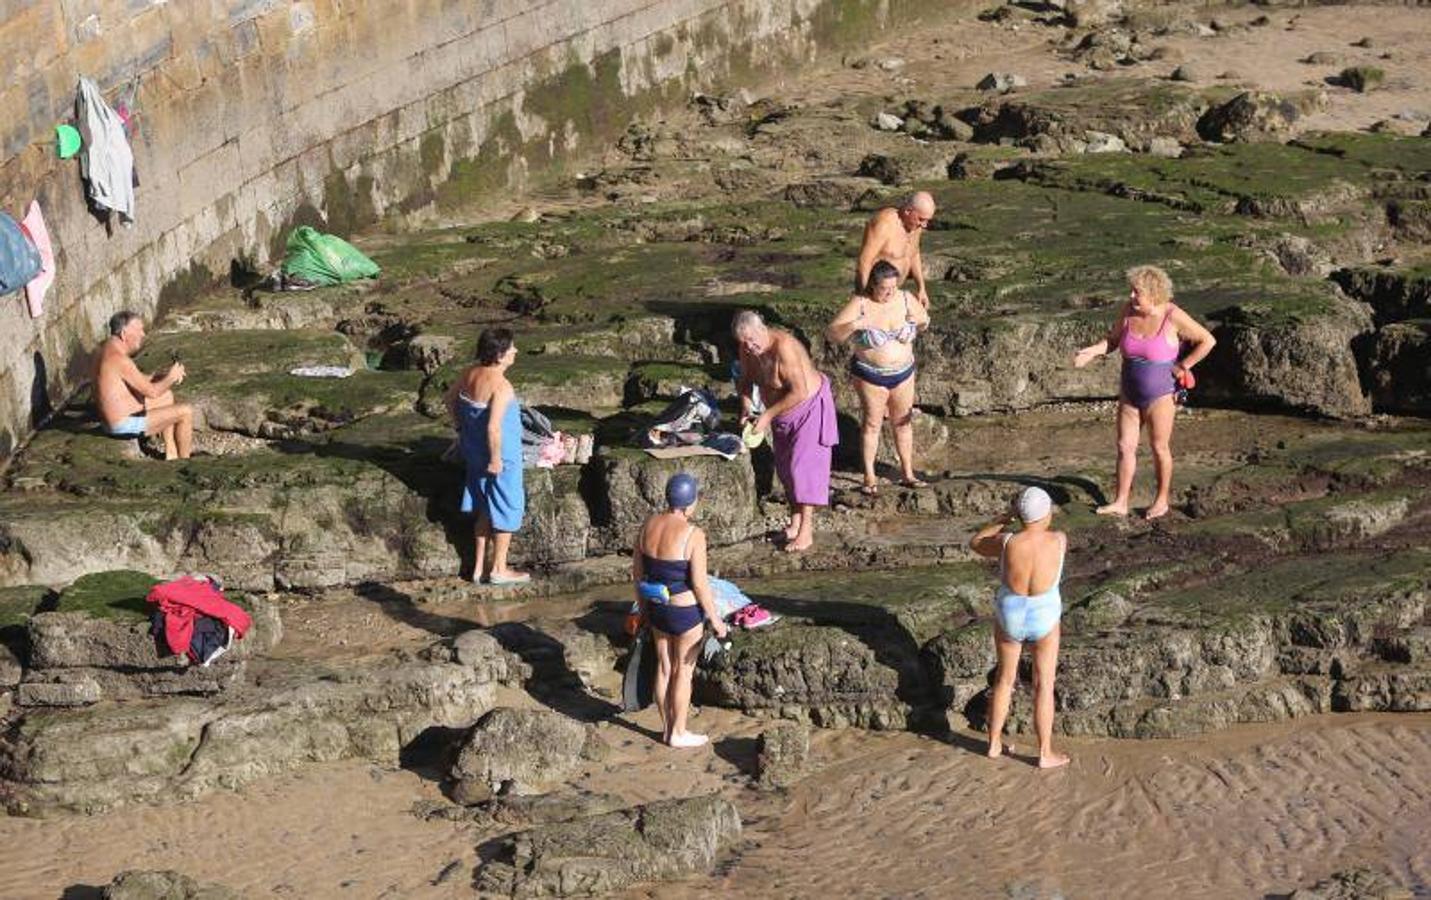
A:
(1033, 504)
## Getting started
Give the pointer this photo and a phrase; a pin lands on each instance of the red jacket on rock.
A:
(183, 600)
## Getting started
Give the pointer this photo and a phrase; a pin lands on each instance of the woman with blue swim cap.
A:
(669, 568)
(1027, 609)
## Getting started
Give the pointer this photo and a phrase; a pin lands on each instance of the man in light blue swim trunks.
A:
(1027, 609)
(132, 404)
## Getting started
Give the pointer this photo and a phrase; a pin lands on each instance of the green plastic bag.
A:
(323, 259)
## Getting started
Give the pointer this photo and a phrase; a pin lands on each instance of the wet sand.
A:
(1242, 813)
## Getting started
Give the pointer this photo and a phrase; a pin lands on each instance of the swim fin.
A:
(638, 683)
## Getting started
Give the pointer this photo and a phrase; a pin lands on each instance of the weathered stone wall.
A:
(255, 115)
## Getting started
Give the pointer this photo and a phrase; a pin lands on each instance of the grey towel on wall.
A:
(106, 161)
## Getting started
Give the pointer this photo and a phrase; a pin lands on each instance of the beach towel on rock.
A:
(804, 440)
(502, 497)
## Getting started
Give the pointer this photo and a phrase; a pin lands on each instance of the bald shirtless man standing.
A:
(800, 418)
(130, 403)
(893, 235)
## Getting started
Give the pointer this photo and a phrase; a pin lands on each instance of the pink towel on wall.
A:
(34, 226)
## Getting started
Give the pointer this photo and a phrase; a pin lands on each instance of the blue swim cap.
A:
(682, 490)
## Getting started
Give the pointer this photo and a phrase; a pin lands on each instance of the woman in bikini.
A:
(1027, 610)
(881, 325)
(673, 588)
(1149, 332)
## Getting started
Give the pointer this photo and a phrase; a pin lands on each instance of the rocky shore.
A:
(1292, 580)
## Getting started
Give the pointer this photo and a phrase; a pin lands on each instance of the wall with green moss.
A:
(256, 115)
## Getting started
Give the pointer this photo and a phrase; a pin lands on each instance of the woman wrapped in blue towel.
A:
(488, 418)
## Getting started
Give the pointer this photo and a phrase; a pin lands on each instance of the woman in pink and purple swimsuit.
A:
(1149, 332)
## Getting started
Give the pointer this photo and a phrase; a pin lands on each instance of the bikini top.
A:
(675, 574)
(1150, 349)
(1052, 590)
(871, 338)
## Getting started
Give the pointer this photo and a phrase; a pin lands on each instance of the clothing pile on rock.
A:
(544, 448)
(194, 619)
(689, 427)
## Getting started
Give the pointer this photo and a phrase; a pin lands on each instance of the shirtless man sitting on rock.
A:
(893, 235)
(800, 417)
(131, 404)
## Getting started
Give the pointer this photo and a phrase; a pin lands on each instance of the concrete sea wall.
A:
(255, 115)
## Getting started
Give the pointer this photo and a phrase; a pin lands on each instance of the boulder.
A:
(829, 193)
(782, 753)
(1354, 884)
(1393, 294)
(481, 652)
(960, 662)
(864, 676)
(77, 658)
(1165, 147)
(1003, 82)
(83, 686)
(514, 811)
(1361, 78)
(1302, 363)
(11, 667)
(1100, 610)
(604, 854)
(887, 121)
(561, 653)
(1100, 142)
(90, 760)
(629, 486)
(1399, 360)
(1410, 219)
(1092, 13)
(557, 525)
(311, 522)
(936, 122)
(521, 751)
(1256, 116)
(1300, 256)
(61, 640)
(1188, 72)
(430, 352)
(1134, 110)
(153, 884)
(900, 168)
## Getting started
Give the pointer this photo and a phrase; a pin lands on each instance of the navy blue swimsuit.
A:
(675, 574)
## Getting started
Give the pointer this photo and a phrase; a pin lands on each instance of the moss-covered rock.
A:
(118, 594)
(1361, 78)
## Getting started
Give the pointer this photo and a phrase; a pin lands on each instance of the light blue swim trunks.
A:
(1025, 618)
(133, 426)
